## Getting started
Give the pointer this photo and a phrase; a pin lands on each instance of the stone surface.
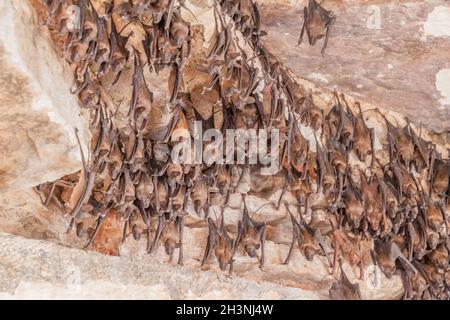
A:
(387, 53)
(33, 269)
(30, 266)
(39, 114)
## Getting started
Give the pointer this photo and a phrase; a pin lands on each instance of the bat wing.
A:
(397, 254)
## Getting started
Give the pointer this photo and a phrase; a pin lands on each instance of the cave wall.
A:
(392, 54)
(21, 211)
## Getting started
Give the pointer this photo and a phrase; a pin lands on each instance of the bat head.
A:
(355, 213)
(170, 245)
(447, 279)
(80, 229)
(309, 253)
(249, 114)
(251, 248)
(440, 181)
(329, 181)
(435, 275)
(418, 284)
(433, 239)
(388, 268)
(318, 21)
(374, 217)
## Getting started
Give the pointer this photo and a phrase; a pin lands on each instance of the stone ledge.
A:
(35, 269)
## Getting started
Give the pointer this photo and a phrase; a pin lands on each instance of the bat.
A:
(251, 236)
(310, 242)
(343, 289)
(170, 233)
(221, 244)
(387, 254)
(317, 22)
(363, 138)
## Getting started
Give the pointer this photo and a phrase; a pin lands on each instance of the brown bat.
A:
(317, 22)
(222, 39)
(363, 138)
(326, 177)
(433, 275)
(436, 217)
(298, 149)
(439, 257)
(170, 232)
(301, 190)
(223, 180)
(346, 123)
(119, 54)
(141, 98)
(417, 243)
(402, 179)
(349, 247)
(310, 242)
(387, 254)
(310, 113)
(221, 244)
(423, 151)
(179, 199)
(389, 199)
(353, 202)
(200, 196)
(440, 173)
(179, 31)
(138, 223)
(343, 289)
(251, 236)
(83, 190)
(372, 202)
(418, 286)
(103, 48)
(338, 158)
(400, 141)
(161, 190)
(433, 239)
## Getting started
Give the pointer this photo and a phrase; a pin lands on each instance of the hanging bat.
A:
(343, 289)
(251, 236)
(317, 22)
(439, 257)
(363, 138)
(310, 113)
(141, 97)
(372, 202)
(389, 199)
(310, 242)
(348, 246)
(353, 202)
(387, 254)
(170, 233)
(221, 244)
(440, 173)
(400, 142)
(83, 190)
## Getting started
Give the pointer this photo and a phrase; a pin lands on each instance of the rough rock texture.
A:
(44, 267)
(32, 269)
(392, 54)
(37, 139)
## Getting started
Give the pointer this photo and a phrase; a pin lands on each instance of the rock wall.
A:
(392, 54)
(38, 115)
(21, 212)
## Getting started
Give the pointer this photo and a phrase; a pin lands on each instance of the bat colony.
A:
(392, 215)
